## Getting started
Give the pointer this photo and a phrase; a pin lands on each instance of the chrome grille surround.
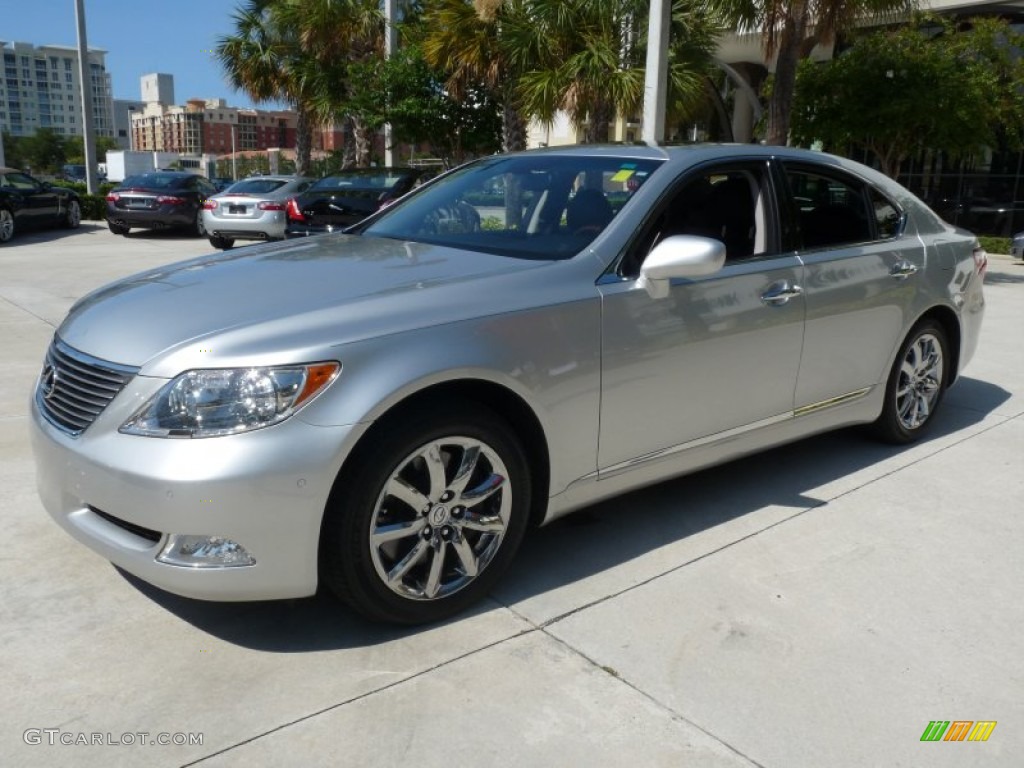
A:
(74, 387)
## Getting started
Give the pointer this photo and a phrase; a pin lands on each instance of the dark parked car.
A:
(339, 201)
(159, 200)
(26, 203)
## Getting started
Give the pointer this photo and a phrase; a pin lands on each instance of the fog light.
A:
(204, 552)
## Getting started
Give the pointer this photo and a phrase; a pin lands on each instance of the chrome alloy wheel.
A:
(440, 518)
(920, 381)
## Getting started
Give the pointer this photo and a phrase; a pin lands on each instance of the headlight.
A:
(223, 401)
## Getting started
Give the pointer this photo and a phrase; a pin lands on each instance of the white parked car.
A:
(251, 209)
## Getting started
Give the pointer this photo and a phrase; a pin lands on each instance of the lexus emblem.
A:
(48, 381)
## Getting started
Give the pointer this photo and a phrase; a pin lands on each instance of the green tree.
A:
(43, 152)
(790, 29)
(471, 41)
(422, 110)
(74, 148)
(265, 59)
(591, 56)
(338, 40)
(897, 91)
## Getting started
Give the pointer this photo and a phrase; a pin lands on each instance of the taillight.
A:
(210, 205)
(293, 210)
(980, 259)
(171, 200)
(267, 205)
(113, 197)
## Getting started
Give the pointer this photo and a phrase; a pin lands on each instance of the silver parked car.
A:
(251, 209)
(388, 411)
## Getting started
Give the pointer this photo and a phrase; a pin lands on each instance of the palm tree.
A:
(264, 59)
(592, 55)
(467, 39)
(339, 38)
(789, 31)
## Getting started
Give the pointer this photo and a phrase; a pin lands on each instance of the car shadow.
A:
(51, 234)
(592, 540)
(163, 233)
(997, 278)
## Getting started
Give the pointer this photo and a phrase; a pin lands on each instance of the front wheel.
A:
(916, 384)
(428, 515)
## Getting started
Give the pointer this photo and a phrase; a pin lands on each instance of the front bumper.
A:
(265, 489)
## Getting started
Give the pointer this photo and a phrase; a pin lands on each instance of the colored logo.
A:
(958, 730)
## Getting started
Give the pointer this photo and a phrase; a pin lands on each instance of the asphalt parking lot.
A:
(816, 605)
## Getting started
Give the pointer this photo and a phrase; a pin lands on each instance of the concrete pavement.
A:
(816, 605)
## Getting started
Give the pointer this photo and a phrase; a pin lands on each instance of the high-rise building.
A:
(157, 87)
(40, 88)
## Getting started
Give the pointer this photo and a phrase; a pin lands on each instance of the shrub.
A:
(94, 207)
(1000, 245)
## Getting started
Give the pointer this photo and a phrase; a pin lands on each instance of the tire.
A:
(6, 225)
(449, 551)
(73, 217)
(118, 229)
(221, 242)
(199, 226)
(916, 385)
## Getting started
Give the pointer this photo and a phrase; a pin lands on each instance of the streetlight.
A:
(85, 76)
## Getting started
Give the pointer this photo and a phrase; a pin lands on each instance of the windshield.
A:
(257, 186)
(380, 180)
(155, 181)
(540, 206)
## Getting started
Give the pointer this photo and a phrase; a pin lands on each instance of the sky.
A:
(140, 36)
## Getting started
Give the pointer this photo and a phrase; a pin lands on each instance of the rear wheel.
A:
(6, 225)
(118, 229)
(428, 515)
(198, 226)
(221, 242)
(916, 384)
(73, 216)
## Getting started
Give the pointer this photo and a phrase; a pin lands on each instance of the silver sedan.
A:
(251, 209)
(388, 411)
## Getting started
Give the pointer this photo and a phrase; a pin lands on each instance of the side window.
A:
(728, 204)
(20, 181)
(888, 218)
(831, 210)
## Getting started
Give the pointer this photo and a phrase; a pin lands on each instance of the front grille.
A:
(74, 388)
(138, 530)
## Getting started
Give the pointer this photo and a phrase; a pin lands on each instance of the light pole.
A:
(234, 156)
(656, 74)
(85, 77)
(390, 46)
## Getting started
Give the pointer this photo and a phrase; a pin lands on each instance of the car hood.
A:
(271, 301)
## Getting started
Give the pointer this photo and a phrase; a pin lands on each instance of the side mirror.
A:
(679, 256)
(46, 185)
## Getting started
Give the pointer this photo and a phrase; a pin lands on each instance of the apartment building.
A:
(41, 88)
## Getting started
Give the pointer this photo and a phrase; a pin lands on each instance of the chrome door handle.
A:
(780, 293)
(901, 270)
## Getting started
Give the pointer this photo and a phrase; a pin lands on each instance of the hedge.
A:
(1000, 245)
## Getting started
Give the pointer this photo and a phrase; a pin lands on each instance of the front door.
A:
(720, 353)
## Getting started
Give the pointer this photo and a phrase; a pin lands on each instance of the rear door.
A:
(861, 278)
